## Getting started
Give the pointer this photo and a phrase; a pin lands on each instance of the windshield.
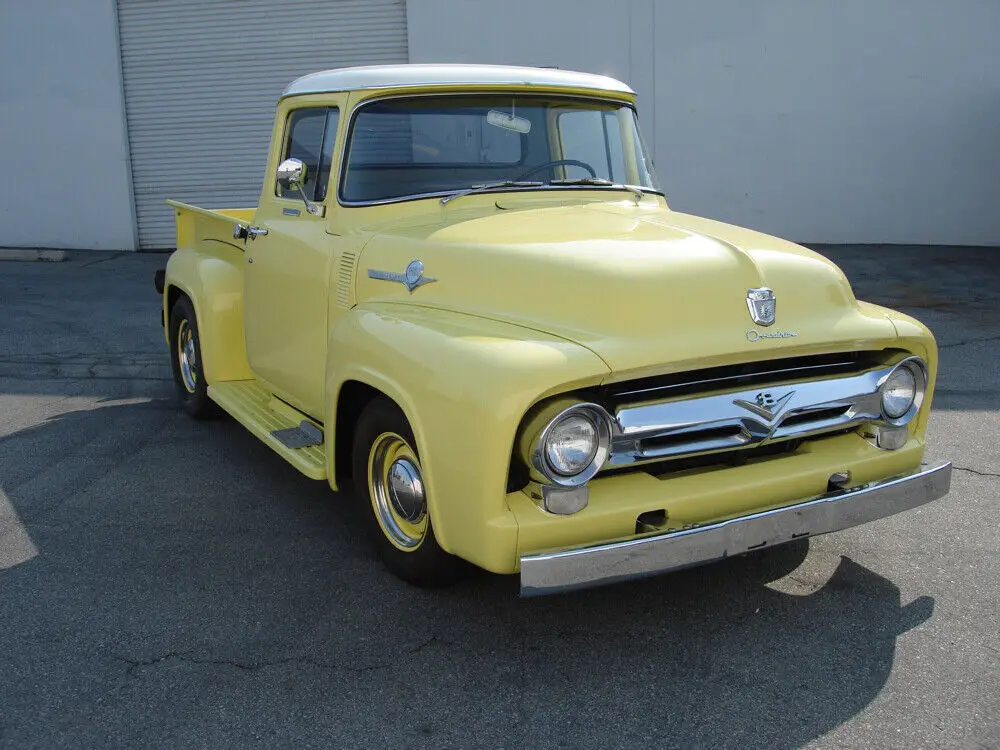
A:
(427, 146)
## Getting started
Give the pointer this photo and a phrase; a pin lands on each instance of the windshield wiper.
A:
(638, 192)
(489, 186)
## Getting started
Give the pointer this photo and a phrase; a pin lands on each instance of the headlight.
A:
(571, 444)
(898, 392)
(902, 390)
(574, 445)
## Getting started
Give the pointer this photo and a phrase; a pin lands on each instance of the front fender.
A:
(914, 336)
(464, 383)
(214, 284)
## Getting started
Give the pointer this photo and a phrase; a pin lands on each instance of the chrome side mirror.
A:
(292, 176)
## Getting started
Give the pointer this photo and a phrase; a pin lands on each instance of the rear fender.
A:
(214, 284)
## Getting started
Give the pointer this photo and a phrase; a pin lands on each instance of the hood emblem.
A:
(766, 404)
(411, 278)
(761, 303)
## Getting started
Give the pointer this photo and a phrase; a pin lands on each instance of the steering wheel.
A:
(558, 163)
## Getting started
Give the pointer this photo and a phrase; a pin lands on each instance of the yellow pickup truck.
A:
(464, 295)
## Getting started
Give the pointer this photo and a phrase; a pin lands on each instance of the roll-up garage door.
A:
(201, 81)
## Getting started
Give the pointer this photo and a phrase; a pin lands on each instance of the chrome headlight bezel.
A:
(602, 423)
(918, 370)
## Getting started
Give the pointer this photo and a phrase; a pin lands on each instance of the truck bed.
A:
(197, 225)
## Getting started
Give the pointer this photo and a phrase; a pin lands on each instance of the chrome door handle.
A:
(255, 232)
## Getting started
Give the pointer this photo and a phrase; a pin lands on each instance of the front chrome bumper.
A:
(552, 572)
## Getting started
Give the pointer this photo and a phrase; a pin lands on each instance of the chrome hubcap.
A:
(397, 491)
(406, 490)
(186, 357)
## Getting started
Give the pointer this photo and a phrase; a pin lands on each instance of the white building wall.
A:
(65, 181)
(861, 121)
(198, 93)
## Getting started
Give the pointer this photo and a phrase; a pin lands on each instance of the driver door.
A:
(287, 266)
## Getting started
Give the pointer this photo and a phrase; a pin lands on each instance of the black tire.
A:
(423, 563)
(192, 390)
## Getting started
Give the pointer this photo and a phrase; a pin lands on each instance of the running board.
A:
(305, 435)
(287, 431)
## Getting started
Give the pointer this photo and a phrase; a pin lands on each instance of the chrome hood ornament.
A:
(412, 278)
(761, 303)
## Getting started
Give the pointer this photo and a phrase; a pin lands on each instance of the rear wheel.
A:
(389, 481)
(185, 359)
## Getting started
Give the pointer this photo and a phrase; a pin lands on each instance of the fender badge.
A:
(411, 278)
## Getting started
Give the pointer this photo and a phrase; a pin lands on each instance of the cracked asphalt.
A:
(168, 583)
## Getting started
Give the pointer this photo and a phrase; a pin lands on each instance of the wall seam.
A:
(124, 117)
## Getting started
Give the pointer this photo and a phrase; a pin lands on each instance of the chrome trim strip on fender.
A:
(412, 278)
(552, 572)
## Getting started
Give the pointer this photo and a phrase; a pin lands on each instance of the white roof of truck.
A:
(393, 76)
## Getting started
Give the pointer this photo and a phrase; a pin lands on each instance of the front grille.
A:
(693, 416)
(718, 435)
(815, 415)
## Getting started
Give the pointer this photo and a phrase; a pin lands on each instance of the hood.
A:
(647, 289)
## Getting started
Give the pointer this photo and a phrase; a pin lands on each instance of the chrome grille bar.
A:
(681, 427)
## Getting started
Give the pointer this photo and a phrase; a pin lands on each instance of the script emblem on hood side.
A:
(761, 303)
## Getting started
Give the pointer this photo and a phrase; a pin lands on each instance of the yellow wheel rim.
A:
(187, 357)
(396, 489)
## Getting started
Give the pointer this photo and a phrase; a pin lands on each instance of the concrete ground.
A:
(165, 582)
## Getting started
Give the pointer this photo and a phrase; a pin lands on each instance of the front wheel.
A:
(389, 480)
(185, 360)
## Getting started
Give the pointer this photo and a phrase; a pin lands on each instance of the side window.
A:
(309, 137)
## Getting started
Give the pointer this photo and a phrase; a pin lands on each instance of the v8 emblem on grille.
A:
(766, 404)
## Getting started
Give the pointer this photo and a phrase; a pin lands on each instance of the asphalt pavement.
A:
(172, 583)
